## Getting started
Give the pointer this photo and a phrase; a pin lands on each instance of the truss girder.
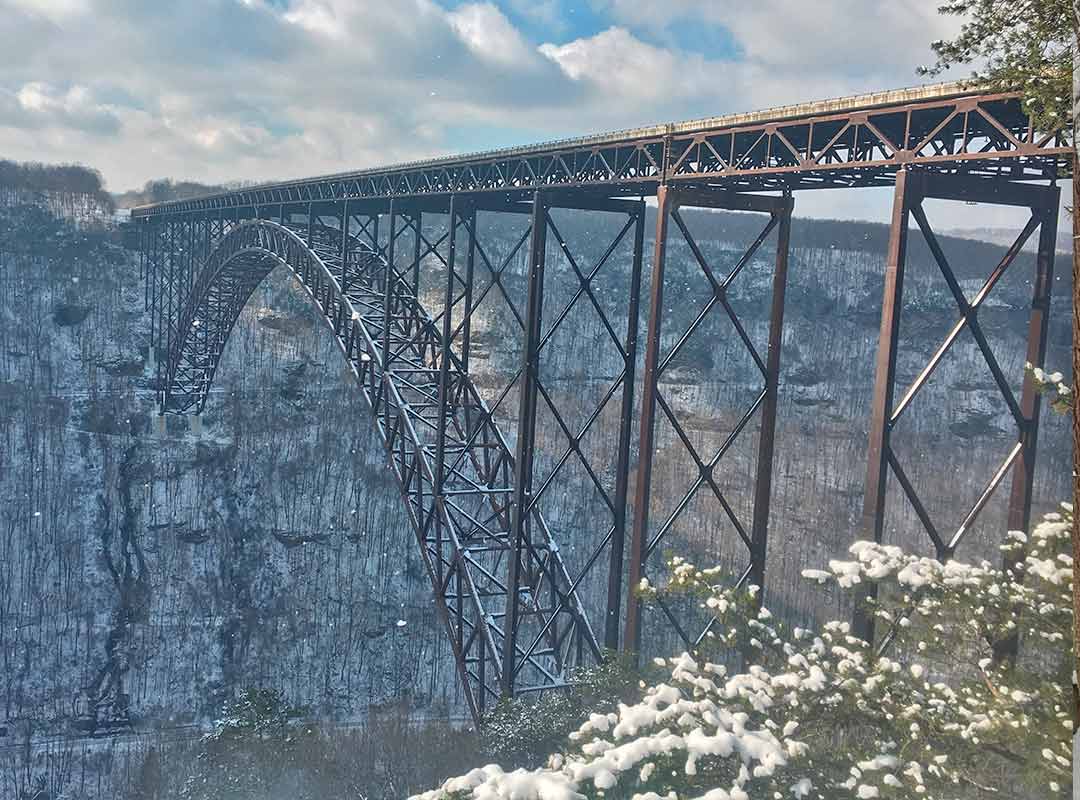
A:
(912, 188)
(511, 605)
(969, 132)
(453, 466)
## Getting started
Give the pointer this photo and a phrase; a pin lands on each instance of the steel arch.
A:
(457, 486)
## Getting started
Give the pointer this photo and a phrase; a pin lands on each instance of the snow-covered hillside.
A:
(146, 578)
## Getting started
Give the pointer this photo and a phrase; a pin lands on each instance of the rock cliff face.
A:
(145, 578)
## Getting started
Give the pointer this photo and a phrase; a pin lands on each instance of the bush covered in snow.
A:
(522, 731)
(824, 714)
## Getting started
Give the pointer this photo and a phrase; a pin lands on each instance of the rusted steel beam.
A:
(520, 520)
(444, 387)
(1024, 471)
(727, 200)
(703, 467)
(642, 494)
(873, 519)
(626, 424)
(850, 142)
(911, 189)
(982, 190)
(763, 480)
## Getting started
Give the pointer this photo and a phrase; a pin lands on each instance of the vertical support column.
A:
(170, 310)
(150, 243)
(873, 519)
(419, 221)
(209, 244)
(189, 259)
(150, 234)
(140, 231)
(666, 202)
(159, 285)
(161, 352)
(345, 244)
(481, 673)
(626, 422)
(310, 225)
(1030, 400)
(1076, 416)
(526, 434)
(444, 391)
(470, 264)
(759, 532)
(388, 283)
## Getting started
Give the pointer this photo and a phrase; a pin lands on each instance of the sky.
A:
(218, 90)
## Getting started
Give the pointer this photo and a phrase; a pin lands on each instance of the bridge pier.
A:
(912, 187)
(669, 200)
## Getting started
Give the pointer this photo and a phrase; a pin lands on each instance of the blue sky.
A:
(217, 90)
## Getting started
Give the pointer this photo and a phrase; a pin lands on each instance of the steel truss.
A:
(703, 467)
(373, 248)
(510, 604)
(843, 143)
(912, 188)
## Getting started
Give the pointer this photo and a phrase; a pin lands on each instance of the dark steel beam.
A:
(1030, 399)
(526, 437)
(763, 482)
(467, 298)
(972, 189)
(665, 204)
(444, 399)
(388, 304)
(937, 129)
(626, 424)
(873, 518)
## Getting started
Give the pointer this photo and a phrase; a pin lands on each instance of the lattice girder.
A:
(456, 485)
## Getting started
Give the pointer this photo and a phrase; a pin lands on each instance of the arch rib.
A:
(463, 532)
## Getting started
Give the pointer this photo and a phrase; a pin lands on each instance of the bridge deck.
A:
(852, 141)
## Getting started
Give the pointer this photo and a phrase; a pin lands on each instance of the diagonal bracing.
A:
(505, 601)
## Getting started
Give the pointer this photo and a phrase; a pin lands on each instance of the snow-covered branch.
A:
(823, 714)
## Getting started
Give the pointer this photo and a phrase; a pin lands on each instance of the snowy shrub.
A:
(523, 731)
(1054, 385)
(825, 715)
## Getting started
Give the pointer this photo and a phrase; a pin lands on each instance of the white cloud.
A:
(217, 90)
(487, 32)
(840, 37)
(319, 18)
(42, 105)
(542, 12)
(56, 10)
(632, 82)
(594, 58)
(622, 67)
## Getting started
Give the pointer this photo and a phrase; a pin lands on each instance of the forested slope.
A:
(145, 579)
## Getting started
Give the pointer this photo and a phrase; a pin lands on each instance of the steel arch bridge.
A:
(511, 601)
